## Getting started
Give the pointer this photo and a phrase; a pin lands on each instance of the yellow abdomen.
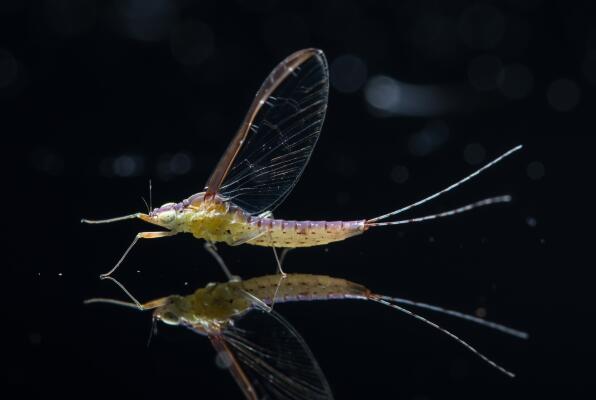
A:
(217, 222)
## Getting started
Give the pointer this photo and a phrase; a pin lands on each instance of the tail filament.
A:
(468, 207)
(447, 189)
(445, 331)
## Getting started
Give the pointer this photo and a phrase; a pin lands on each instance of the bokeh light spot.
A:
(70, 17)
(482, 26)
(535, 170)
(127, 165)
(516, 81)
(123, 166)
(483, 72)
(435, 35)
(382, 93)
(589, 66)
(8, 68)
(145, 20)
(474, 153)
(348, 73)
(285, 31)
(223, 360)
(400, 174)
(171, 165)
(47, 161)
(563, 94)
(192, 42)
(429, 139)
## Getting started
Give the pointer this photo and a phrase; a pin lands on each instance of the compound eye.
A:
(170, 318)
(167, 216)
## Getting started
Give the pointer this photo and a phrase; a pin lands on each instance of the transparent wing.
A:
(265, 159)
(270, 360)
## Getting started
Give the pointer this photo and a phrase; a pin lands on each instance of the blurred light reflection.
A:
(563, 95)
(191, 42)
(535, 170)
(70, 17)
(348, 73)
(400, 174)
(47, 161)
(483, 72)
(145, 20)
(387, 96)
(8, 68)
(474, 153)
(171, 165)
(516, 81)
(429, 139)
(482, 26)
(123, 166)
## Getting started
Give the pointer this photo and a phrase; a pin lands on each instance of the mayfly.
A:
(266, 356)
(262, 164)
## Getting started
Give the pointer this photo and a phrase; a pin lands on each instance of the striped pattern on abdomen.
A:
(303, 287)
(282, 233)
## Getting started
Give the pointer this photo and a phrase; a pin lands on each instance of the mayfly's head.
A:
(175, 311)
(166, 215)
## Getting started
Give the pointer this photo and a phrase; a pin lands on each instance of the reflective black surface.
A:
(98, 97)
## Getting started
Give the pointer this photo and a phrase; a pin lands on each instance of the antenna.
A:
(150, 196)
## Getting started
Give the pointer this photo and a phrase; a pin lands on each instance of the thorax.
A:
(212, 220)
(214, 306)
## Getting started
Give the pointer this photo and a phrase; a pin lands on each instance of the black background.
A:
(98, 97)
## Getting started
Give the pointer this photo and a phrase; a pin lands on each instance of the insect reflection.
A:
(262, 164)
(272, 360)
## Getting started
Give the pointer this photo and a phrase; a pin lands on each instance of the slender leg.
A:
(260, 303)
(140, 235)
(278, 262)
(121, 286)
(284, 253)
(135, 304)
(282, 275)
(211, 249)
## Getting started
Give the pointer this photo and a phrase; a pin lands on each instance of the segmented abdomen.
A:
(303, 287)
(281, 233)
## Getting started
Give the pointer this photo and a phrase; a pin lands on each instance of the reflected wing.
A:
(265, 159)
(270, 360)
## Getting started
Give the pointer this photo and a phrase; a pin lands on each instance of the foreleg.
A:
(140, 235)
